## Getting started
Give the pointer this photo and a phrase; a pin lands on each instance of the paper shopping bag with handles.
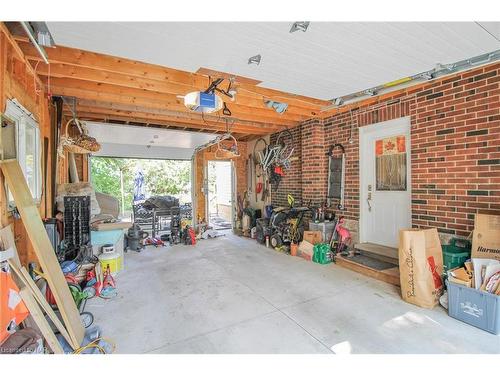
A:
(420, 266)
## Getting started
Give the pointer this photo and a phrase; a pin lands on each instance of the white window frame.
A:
(24, 119)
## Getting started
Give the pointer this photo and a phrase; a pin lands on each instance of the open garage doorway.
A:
(220, 197)
(129, 181)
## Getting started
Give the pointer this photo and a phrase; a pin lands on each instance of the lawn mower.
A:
(287, 224)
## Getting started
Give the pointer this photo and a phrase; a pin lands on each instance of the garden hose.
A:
(94, 344)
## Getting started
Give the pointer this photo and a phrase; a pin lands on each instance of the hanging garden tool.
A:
(336, 176)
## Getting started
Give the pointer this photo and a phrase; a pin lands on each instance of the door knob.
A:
(368, 200)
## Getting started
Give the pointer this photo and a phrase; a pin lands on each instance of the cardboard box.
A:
(312, 236)
(486, 237)
(468, 283)
(305, 250)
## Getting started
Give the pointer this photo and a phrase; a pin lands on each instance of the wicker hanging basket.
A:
(82, 143)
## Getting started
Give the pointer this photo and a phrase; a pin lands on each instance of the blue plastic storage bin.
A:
(475, 307)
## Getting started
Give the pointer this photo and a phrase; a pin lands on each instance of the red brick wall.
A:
(291, 183)
(314, 162)
(455, 149)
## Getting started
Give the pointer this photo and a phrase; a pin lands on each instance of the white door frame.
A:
(405, 128)
(233, 189)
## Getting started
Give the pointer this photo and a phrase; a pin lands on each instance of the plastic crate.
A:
(475, 307)
(326, 229)
(456, 253)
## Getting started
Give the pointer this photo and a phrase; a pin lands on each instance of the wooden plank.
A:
(43, 248)
(40, 321)
(390, 275)
(384, 253)
(112, 226)
(28, 282)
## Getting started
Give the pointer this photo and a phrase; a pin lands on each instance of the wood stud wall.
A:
(17, 80)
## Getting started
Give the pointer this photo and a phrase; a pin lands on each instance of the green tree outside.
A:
(161, 177)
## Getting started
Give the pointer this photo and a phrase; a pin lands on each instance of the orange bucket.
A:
(293, 249)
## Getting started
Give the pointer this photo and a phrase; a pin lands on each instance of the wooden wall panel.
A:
(17, 81)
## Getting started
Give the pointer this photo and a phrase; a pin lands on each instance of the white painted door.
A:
(385, 186)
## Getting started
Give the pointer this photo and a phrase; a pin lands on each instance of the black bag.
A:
(161, 202)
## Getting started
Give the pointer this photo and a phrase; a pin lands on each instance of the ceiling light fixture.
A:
(370, 92)
(427, 75)
(277, 106)
(299, 25)
(338, 101)
(255, 60)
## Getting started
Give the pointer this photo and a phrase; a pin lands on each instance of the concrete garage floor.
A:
(232, 295)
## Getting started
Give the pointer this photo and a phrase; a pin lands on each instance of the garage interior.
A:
(342, 200)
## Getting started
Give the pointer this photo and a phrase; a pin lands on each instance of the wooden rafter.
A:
(91, 76)
(146, 98)
(15, 45)
(98, 114)
(243, 98)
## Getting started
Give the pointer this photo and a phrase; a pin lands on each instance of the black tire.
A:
(276, 240)
(87, 319)
(285, 138)
(256, 149)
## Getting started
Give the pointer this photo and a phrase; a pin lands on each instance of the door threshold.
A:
(385, 253)
(389, 275)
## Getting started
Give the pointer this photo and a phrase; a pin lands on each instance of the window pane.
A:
(31, 159)
(390, 155)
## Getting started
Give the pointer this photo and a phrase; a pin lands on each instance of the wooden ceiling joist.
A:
(145, 103)
(158, 100)
(77, 57)
(101, 114)
(185, 115)
(104, 85)
(243, 98)
(207, 120)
